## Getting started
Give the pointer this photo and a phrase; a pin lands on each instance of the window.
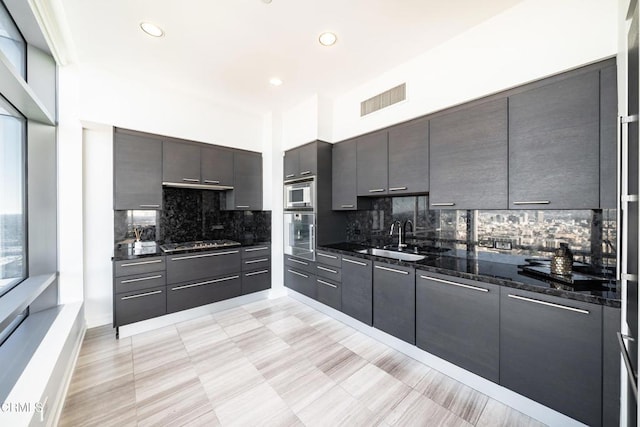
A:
(13, 232)
(12, 44)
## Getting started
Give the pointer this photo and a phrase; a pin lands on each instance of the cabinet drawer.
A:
(194, 294)
(329, 293)
(300, 264)
(328, 258)
(394, 300)
(357, 289)
(300, 281)
(256, 263)
(196, 266)
(328, 272)
(135, 306)
(139, 266)
(256, 251)
(139, 282)
(254, 281)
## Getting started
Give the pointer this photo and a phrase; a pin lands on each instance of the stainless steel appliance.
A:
(299, 234)
(198, 245)
(300, 194)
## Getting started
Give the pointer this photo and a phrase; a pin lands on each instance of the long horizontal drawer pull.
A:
(299, 262)
(550, 304)
(146, 294)
(264, 248)
(243, 206)
(474, 288)
(443, 204)
(142, 279)
(149, 206)
(253, 261)
(190, 180)
(211, 181)
(327, 283)
(208, 282)
(290, 175)
(133, 264)
(203, 256)
(354, 262)
(327, 256)
(376, 190)
(397, 188)
(319, 267)
(393, 270)
(346, 206)
(305, 173)
(256, 272)
(299, 274)
(533, 202)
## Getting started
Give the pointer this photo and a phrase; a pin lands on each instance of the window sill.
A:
(22, 295)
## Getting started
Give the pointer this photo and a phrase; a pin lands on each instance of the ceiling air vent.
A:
(383, 100)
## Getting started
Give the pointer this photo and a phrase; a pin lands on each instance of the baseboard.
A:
(523, 404)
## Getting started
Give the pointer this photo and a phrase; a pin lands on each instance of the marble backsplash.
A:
(190, 215)
(591, 234)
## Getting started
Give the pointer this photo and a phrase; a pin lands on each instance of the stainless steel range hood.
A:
(197, 186)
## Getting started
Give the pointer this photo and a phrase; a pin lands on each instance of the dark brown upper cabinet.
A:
(469, 153)
(554, 145)
(409, 158)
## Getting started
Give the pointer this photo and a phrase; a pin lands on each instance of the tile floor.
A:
(273, 362)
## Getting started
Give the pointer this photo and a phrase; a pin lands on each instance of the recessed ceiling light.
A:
(327, 39)
(266, 1)
(275, 81)
(151, 29)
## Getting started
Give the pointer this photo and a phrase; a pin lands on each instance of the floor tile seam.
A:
(95, 384)
(484, 407)
(457, 392)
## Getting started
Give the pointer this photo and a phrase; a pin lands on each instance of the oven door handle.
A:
(312, 233)
(633, 380)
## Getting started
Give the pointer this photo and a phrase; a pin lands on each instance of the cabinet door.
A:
(291, 164)
(551, 352)
(345, 191)
(372, 164)
(394, 300)
(308, 160)
(135, 306)
(300, 281)
(137, 178)
(188, 295)
(180, 162)
(216, 166)
(409, 158)
(329, 292)
(554, 152)
(469, 153)
(196, 266)
(247, 192)
(459, 320)
(254, 281)
(608, 138)
(357, 289)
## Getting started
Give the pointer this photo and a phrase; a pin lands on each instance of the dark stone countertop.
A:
(497, 273)
(122, 252)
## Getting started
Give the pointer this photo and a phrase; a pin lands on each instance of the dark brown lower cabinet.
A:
(189, 295)
(459, 320)
(329, 292)
(394, 300)
(357, 288)
(300, 281)
(139, 305)
(551, 352)
(254, 281)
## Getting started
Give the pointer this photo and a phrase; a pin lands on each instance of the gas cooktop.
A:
(198, 245)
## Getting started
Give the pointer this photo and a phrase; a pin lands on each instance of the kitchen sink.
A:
(402, 256)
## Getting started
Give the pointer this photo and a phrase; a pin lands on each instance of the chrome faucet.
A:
(400, 244)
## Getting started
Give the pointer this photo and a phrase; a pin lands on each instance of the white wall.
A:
(534, 39)
(300, 124)
(98, 224)
(118, 101)
(70, 188)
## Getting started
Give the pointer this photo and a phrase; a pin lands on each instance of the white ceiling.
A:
(228, 50)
